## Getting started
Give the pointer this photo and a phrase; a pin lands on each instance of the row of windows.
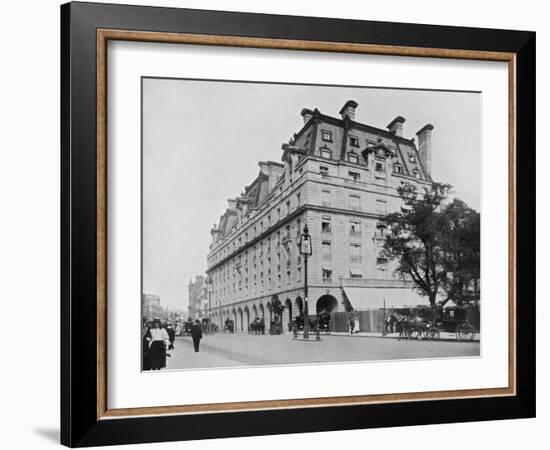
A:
(327, 273)
(260, 227)
(354, 202)
(326, 136)
(379, 169)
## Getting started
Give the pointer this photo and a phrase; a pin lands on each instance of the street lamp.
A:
(306, 250)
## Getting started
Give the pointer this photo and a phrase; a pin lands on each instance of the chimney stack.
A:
(348, 110)
(425, 146)
(306, 114)
(396, 126)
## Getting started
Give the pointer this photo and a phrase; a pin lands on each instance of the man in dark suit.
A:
(171, 335)
(196, 334)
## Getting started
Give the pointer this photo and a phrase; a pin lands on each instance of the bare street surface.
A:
(226, 350)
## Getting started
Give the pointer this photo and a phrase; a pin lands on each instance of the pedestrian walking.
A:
(158, 340)
(351, 325)
(171, 335)
(145, 345)
(196, 334)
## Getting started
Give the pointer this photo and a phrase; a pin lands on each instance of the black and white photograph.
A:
(289, 224)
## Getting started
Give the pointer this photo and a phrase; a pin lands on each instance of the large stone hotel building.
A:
(338, 176)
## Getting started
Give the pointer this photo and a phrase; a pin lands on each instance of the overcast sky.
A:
(202, 141)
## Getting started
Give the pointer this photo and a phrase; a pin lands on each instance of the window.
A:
(354, 202)
(326, 225)
(288, 207)
(381, 261)
(379, 168)
(412, 158)
(326, 251)
(325, 197)
(326, 135)
(354, 141)
(381, 207)
(355, 176)
(279, 280)
(356, 274)
(417, 175)
(288, 277)
(299, 274)
(323, 171)
(353, 158)
(355, 253)
(354, 228)
(298, 197)
(397, 168)
(278, 213)
(327, 275)
(308, 138)
(326, 153)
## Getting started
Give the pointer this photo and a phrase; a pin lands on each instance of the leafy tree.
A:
(461, 244)
(434, 242)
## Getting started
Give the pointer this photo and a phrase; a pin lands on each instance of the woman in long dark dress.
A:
(158, 340)
(145, 345)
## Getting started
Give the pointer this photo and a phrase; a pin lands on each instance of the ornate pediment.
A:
(379, 150)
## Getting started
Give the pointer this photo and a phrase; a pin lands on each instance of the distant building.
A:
(340, 177)
(198, 298)
(151, 307)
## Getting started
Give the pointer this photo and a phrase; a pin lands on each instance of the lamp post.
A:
(306, 250)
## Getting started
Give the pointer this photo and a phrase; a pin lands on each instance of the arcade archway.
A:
(326, 303)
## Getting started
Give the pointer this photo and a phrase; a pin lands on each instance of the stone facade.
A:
(151, 308)
(339, 177)
(198, 298)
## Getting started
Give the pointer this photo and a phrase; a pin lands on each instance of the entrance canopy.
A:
(365, 298)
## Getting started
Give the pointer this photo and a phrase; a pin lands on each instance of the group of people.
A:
(158, 338)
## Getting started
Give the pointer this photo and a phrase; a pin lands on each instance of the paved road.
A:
(225, 350)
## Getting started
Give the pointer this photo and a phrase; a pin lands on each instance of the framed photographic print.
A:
(276, 224)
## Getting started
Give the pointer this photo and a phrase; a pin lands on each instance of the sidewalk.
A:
(448, 337)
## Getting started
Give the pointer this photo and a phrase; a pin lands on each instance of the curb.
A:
(397, 338)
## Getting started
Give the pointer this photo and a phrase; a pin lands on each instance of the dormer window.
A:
(379, 167)
(412, 158)
(353, 158)
(326, 153)
(397, 168)
(326, 135)
(417, 174)
(354, 141)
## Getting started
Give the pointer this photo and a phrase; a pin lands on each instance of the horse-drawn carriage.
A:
(186, 328)
(322, 322)
(229, 326)
(257, 326)
(422, 325)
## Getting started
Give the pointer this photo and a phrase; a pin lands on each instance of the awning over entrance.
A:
(356, 272)
(364, 298)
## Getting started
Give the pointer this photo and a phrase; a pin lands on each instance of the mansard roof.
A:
(400, 146)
